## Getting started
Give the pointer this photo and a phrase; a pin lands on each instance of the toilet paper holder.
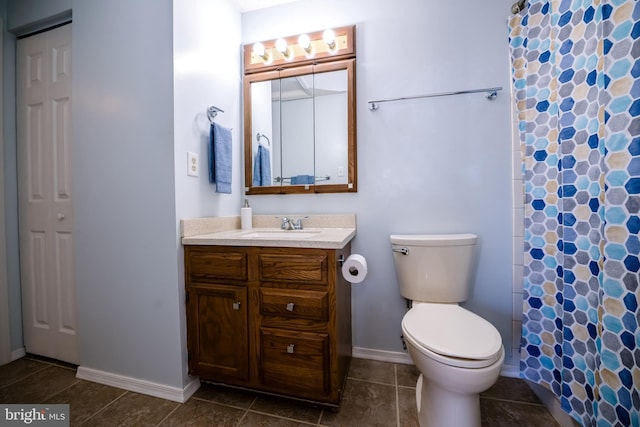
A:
(341, 260)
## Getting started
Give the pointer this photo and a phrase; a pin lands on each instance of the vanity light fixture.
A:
(283, 48)
(303, 49)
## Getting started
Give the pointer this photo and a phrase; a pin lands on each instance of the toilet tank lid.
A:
(434, 239)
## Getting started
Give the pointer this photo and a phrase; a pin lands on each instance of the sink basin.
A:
(279, 234)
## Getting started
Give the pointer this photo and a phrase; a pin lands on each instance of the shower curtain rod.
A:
(492, 93)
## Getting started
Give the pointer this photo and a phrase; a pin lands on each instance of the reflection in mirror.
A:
(296, 129)
(305, 119)
(330, 120)
(308, 127)
(261, 111)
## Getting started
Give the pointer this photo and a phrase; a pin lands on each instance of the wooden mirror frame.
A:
(344, 59)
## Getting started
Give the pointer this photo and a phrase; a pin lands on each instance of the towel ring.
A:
(261, 135)
(212, 112)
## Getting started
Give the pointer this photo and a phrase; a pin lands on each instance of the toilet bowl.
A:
(458, 353)
(447, 391)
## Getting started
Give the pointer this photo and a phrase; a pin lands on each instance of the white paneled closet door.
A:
(44, 179)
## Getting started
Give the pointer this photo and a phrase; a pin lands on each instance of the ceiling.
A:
(247, 5)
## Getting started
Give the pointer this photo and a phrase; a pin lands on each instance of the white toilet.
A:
(458, 353)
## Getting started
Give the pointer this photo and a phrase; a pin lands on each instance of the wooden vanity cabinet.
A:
(270, 319)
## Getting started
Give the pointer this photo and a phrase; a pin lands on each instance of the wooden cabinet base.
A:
(332, 406)
(273, 320)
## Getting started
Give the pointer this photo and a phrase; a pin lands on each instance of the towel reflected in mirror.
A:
(303, 179)
(262, 167)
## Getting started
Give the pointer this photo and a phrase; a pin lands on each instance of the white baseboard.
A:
(139, 386)
(510, 371)
(404, 358)
(182, 395)
(382, 355)
(18, 354)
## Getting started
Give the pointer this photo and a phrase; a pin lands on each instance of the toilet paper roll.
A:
(354, 269)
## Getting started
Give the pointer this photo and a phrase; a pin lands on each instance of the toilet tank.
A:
(434, 267)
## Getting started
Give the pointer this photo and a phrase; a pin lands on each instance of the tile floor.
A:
(377, 394)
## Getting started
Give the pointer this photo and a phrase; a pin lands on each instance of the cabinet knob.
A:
(60, 216)
(290, 348)
(290, 306)
(236, 305)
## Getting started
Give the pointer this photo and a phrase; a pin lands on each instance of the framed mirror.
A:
(300, 128)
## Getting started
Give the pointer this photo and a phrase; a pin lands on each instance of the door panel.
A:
(64, 280)
(38, 280)
(45, 194)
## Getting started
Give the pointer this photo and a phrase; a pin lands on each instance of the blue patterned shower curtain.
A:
(576, 78)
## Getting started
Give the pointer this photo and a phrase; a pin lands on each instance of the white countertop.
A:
(325, 238)
(323, 232)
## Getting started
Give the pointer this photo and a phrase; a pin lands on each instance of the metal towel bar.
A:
(492, 93)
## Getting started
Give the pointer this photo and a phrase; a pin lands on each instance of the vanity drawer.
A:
(296, 303)
(308, 267)
(209, 263)
(295, 361)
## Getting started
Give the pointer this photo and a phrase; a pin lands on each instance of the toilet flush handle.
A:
(403, 251)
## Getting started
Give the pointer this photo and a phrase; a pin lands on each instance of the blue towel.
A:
(303, 179)
(220, 149)
(262, 167)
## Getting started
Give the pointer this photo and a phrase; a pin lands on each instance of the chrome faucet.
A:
(286, 223)
(291, 223)
(297, 223)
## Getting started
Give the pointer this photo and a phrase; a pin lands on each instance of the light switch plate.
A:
(193, 164)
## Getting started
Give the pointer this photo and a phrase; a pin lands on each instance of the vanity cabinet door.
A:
(217, 332)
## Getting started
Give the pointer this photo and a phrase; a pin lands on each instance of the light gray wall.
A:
(124, 189)
(440, 165)
(206, 72)
(206, 46)
(5, 316)
(10, 186)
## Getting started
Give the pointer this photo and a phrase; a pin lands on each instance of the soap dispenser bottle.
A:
(245, 216)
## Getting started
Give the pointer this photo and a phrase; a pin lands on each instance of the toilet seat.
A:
(452, 335)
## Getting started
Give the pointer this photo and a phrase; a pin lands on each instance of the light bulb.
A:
(283, 48)
(305, 42)
(329, 38)
(260, 51)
